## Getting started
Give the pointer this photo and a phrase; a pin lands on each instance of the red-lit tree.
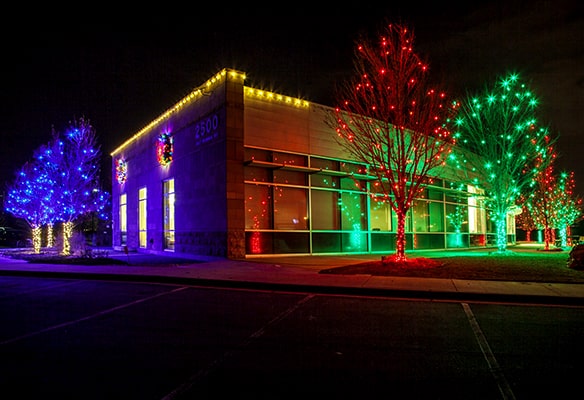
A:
(525, 221)
(541, 207)
(500, 147)
(542, 200)
(392, 119)
(567, 206)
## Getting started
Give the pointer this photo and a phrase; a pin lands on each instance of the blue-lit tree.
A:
(76, 162)
(391, 118)
(46, 171)
(26, 198)
(501, 147)
(61, 183)
(32, 195)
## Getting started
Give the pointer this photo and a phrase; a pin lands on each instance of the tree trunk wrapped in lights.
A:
(391, 119)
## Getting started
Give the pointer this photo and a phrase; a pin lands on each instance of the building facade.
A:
(233, 171)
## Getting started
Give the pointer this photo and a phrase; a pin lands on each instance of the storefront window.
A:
(258, 207)
(290, 208)
(325, 213)
(380, 215)
(353, 207)
(123, 219)
(168, 216)
(142, 215)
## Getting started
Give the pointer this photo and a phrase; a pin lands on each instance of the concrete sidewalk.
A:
(299, 274)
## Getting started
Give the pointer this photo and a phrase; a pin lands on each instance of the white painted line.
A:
(494, 367)
(68, 323)
(217, 362)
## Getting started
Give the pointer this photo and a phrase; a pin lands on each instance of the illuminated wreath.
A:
(164, 149)
(121, 170)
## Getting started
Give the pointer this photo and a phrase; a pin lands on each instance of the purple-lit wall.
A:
(207, 168)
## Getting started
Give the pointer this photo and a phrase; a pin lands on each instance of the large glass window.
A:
(353, 207)
(168, 214)
(142, 214)
(324, 212)
(290, 208)
(428, 216)
(258, 207)
(477, 215)
(380, 215)
(421, 216)
(340, 213)
(457, 218)
(324, 163)
(123, 219)
(324, 179)
(350, 183)
(436, 211)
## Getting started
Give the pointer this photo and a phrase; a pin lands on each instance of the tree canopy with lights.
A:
(61, 183)
(392, 119)
(500, 146)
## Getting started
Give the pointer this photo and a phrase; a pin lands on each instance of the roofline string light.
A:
(203, 90)
(192, 96)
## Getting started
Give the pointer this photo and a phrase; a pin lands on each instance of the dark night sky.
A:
(122, 76)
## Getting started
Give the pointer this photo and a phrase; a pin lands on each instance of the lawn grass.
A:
(531, 265)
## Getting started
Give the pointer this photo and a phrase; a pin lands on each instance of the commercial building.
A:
(234, 171)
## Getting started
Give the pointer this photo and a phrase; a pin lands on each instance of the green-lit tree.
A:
(391, 118)
(500, 146)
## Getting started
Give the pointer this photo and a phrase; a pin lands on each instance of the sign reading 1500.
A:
(207, 129)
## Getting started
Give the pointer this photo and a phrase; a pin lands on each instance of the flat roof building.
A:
(233, 171)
